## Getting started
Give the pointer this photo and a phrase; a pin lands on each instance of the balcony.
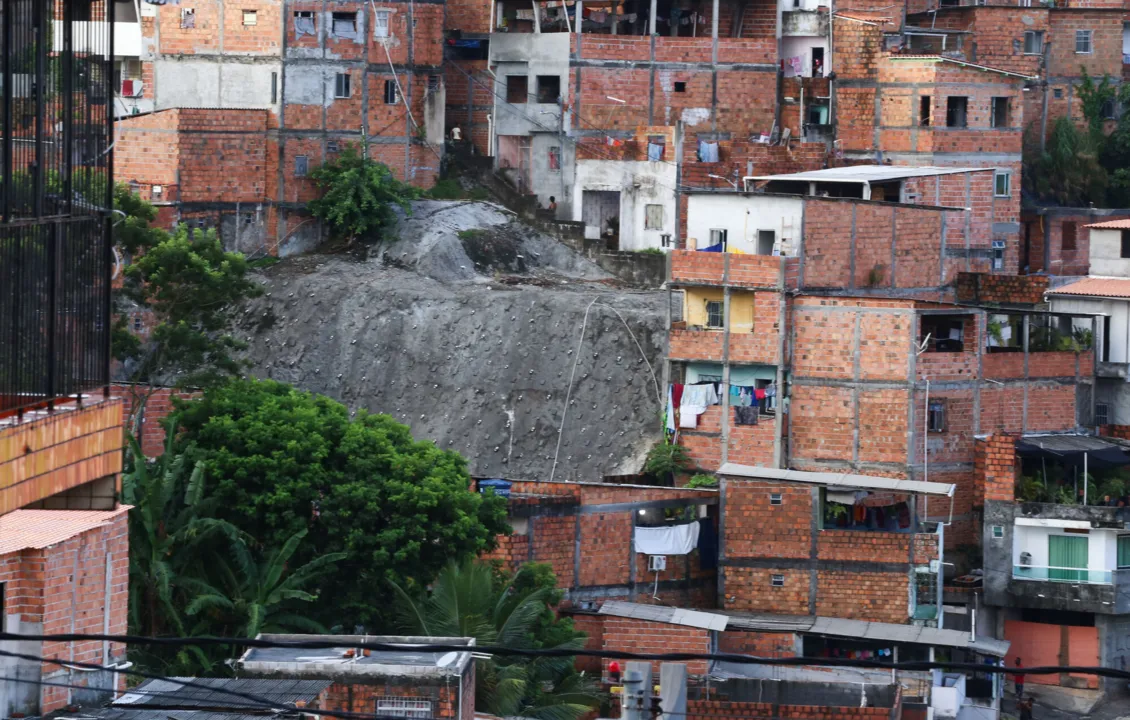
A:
(1063, 574)
(696, 267)
(1097, 590)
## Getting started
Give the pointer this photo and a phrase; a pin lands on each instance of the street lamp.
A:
(719, 177)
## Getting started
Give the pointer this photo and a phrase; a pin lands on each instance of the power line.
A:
(546, 652)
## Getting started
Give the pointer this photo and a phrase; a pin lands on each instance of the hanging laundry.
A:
(745, 415)
(524, 14)
(712, 248)
(614, 142)
(598, 16)
(654, 152)
(770, 391)
(696, 398)
(759, 393)
(707, 151)
(304, 26)
(669, 540)
(797, 64)
(670, 423)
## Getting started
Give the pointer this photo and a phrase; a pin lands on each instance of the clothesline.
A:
(686, 402)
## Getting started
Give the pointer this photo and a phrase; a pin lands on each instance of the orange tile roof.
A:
(1096, 287)
(34, 529)
(1123, 224)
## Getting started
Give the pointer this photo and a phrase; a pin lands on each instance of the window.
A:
(345, 23)
(714, 314)
(1107, 110)
(680, 86)
(549, 88)
(1033, 42)
(998, 117)
(405, 707)
(304, 23)
(955, 111)
(1083, 42)
(517, 88)
(656, 147)
(946, 333)
(301, 165)
(1002, 184)
(936, 416)
(1123, 551)
(188, 18)
(775, 498)
(274, 88)
(766, 241)
(137, 323)
(1125, 244)
(925, 112)
(433, 83)
(341, 85)
(331, 146)
(380, 23)
(555, 158)
(653, 217)
(777, 580)
(1067, 558)
(250, 17)
(1102, 410)
(718, 237)
(1068, 233)
(1058, 93)
(998, 254)
(998, 532)
(391, 95)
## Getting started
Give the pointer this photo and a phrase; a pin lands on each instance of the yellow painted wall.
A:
(741, 308)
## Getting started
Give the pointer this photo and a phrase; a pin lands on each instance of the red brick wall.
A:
(641, 636)
(710, 709)
(158, 405)
(995, 468)
(148, 153)
(1007, 289)
(64, 587)
(759, 644)
(362, 698)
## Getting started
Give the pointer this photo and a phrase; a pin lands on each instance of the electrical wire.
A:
(340, 642)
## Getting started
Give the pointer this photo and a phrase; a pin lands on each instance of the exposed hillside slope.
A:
(467, 329)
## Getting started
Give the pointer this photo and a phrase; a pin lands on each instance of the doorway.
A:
(600, 212)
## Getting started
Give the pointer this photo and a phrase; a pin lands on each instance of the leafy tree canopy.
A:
(358, 194)
(280, 461)
(192, 287)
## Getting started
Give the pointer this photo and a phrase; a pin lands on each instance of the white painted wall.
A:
(1106, 254)
(739, 374)
(802, 46)
(640, 183)
(1102, 546)
(742, 216)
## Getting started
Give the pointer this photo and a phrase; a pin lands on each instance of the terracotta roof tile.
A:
(1096, 286)
(1123, 224)
(34, 529)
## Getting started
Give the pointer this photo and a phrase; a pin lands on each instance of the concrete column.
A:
(651, 19)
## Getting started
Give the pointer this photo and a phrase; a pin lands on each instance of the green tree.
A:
(254, 597)
(469, 599)
(1067, 171)
(665, 460)
(172, 537)
(358, 194)
(286, 461)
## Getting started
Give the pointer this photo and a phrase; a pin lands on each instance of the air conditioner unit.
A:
(656, 563)
(132, 88)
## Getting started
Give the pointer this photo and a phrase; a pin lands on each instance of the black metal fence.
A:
(56, 258)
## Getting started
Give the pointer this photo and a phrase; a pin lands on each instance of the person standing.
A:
(1018, 680)
(1025, 709)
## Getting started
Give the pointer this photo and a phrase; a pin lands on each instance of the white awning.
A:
(838, 480)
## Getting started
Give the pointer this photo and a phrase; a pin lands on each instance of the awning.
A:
(837, 481)
(1069, 450)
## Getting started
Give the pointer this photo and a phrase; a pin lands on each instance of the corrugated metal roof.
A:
(865, 173)
(1123, 224)
(170, 693)
(1096, 287)
(659, 613)
(35, 529)
(832, 480)
(839, 627)
(963, 63)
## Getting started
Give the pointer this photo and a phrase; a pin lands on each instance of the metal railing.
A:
(55, 198)
(1051, 573)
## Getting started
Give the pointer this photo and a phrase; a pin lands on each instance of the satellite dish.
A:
(447, 659)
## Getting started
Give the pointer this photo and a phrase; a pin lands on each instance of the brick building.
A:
(586, 533)
(802, 690)
(408, 683)
(64, 547)
(246, 100)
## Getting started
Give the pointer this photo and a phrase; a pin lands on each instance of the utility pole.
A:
(673, 691)
(637, 690)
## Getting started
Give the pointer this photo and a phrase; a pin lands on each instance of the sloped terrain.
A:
(466, 328)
